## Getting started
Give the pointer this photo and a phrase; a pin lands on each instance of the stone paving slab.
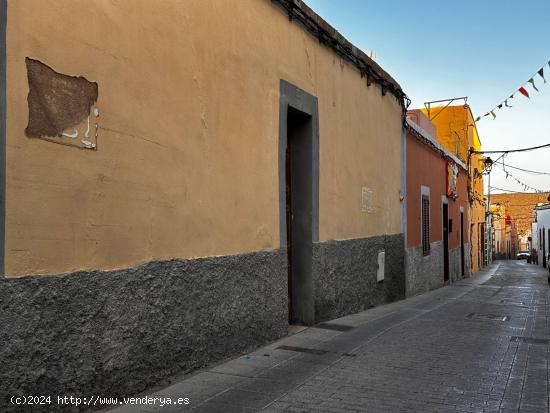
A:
(479, 345)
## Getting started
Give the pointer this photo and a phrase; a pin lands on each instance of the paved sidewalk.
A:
(479, 345)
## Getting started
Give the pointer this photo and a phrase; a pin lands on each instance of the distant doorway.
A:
(462, 251)
(543, 249)
(482, 245)
(445, 242)
(299, 197)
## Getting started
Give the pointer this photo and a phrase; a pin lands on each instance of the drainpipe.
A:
(488, 166)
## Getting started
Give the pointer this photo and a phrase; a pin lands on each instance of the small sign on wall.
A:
(367, 200)
(381, 266)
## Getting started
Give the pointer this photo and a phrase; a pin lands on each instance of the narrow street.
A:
(479, 345)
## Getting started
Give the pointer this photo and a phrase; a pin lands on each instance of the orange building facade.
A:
(437, 225)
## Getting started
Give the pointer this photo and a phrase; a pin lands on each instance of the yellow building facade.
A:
(456, 130)
(187, 161)
(183, 179)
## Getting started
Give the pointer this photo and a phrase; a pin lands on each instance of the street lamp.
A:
(488, 164)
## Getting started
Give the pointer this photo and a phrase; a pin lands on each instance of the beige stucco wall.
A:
(188, 141)
(477, 212)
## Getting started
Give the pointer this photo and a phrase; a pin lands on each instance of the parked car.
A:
(523, 255)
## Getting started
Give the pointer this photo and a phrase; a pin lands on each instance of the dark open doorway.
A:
(482, 245)
(299, 196)
(543, 249)
(445, 242)
(298, 184)
(462, 252)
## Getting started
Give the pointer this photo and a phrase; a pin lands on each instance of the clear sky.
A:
(482, 49)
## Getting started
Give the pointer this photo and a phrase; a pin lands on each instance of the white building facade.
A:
(541, 234)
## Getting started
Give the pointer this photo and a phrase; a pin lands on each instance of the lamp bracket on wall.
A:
(428, 105)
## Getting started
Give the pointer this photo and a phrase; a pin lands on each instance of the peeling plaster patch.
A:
(87, 133)
(88, 144)
(367, 200)
(71, 135)
(59, 105)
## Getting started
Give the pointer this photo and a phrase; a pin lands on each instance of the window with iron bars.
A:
(425, 224)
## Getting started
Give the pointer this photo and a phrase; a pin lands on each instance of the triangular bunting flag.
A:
(499, 106)
(506, 104)
(478, 118)
(493, 113)
(532, 81)
(541, 74)
(523, 92)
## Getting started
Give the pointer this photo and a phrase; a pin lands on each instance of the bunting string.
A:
(524, 185)
(522, 90)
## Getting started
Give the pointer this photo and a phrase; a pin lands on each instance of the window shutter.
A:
(425, 225)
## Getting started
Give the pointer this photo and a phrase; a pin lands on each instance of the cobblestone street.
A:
(479, 345)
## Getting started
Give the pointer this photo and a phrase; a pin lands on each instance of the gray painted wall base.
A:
(119, 332)
(454, 265)
(425, 273)
(345, 275)
(467, 260)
